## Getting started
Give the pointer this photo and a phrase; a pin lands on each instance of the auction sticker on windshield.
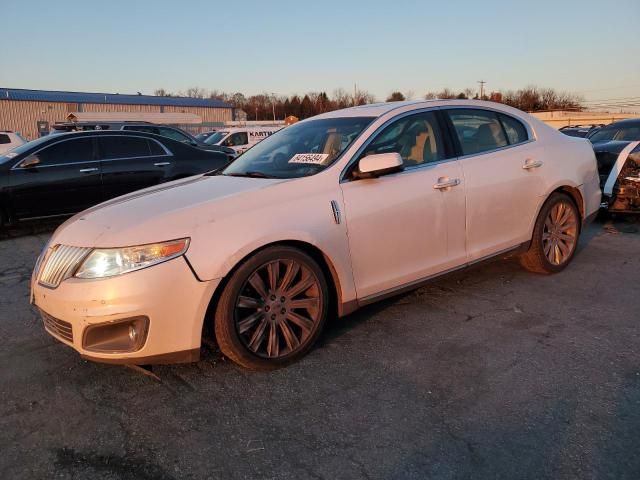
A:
(312, 158)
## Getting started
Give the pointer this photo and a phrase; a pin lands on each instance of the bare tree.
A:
(396, 97)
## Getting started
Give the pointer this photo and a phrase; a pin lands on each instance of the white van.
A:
(240, 139)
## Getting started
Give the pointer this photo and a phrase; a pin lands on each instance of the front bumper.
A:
(169, 295)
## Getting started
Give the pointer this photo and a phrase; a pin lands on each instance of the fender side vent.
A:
(336, 212)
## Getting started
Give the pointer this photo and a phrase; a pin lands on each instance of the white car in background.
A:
(10, 140)
(240, 139)
(328, 215)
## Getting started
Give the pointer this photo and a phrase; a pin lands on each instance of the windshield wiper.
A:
(250, 174)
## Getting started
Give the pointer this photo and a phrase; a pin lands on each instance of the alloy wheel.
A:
(278, 308)
(560, 233)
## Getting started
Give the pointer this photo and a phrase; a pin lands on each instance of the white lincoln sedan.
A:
(325, 216)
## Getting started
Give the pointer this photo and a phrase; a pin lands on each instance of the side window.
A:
(417, 138)
(4, 139)
(156, 149)
(123, 147)
(69, 151)
(236, 139)
(516, 133)
(174, 134)
(477, 130)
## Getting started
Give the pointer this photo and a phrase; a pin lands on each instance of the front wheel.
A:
(555, 236)
(272, 309)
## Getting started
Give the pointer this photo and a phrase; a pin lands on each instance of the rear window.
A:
(4, 139)
(516, 132)
(478, 130)
(123, 147)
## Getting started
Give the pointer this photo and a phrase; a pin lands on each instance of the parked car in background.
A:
(66, 173)
(10, 140)
(201, 137)
(580, 130)
(260, 250)
(617, 148)
(623, 130)
(242, 138)
(164, 130)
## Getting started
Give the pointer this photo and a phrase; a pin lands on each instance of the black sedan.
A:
(617, 148)
(64, 174)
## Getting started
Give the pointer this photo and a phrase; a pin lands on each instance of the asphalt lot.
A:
(489, 373)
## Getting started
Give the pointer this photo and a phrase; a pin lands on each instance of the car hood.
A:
(165, 212)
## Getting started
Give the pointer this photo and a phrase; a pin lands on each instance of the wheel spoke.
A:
(556, 254)
(304, 323)
(547, 248)
(249, 302)
(289, 275)
(309, 302)
(566, 237)
(272, 345)
(258, 336)
(248, 322)
(303, 285)
(289, 336)
(257, 283)
(550, 252)
(564, 249)
(272, 270)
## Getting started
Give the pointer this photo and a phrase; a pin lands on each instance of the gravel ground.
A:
(489, 373)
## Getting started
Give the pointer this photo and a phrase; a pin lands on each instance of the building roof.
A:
(106, 98)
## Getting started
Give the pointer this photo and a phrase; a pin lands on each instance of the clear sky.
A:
(586, 47)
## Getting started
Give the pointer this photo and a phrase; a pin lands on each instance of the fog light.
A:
(122, 336)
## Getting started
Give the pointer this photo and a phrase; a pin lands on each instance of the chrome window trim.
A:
(530, 134)
(168, 153)
(377, 131)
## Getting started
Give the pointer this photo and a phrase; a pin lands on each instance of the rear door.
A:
(502, 174)
(64, 178)
(131, 163)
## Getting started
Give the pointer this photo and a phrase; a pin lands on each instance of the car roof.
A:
(379, 109)
(625, 123)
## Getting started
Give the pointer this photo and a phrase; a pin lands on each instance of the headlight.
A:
(107, 262)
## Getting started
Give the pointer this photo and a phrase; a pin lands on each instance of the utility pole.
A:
(481, 82)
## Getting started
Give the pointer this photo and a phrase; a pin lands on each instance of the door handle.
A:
(162, 164)
(530, 164)
(444, 183)
(88, 170)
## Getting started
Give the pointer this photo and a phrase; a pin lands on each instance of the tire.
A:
(555, 236)
(272, 309)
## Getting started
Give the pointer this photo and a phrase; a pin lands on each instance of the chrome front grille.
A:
(57, 328)
(59, 263)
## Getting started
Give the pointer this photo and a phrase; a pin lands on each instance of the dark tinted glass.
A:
(141, 128)
(416, 138)
(69, 151)
(516, 132)
(123, 147)
(156, 149)
(174, 134)
(4, 139)
(477, 130)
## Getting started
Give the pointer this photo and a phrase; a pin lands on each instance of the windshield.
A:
(215, 137)
(616, 133)
(301, 149)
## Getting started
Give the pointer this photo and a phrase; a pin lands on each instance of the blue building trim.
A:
(107, 98)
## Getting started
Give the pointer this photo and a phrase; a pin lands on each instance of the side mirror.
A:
(30, 162)
(378, 164)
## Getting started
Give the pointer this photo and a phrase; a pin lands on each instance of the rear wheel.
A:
(272, 309)
(555, 236)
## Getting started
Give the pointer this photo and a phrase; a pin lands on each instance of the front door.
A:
(62, 178)
(406, 226)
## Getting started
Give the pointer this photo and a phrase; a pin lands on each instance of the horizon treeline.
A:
(268, 106)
